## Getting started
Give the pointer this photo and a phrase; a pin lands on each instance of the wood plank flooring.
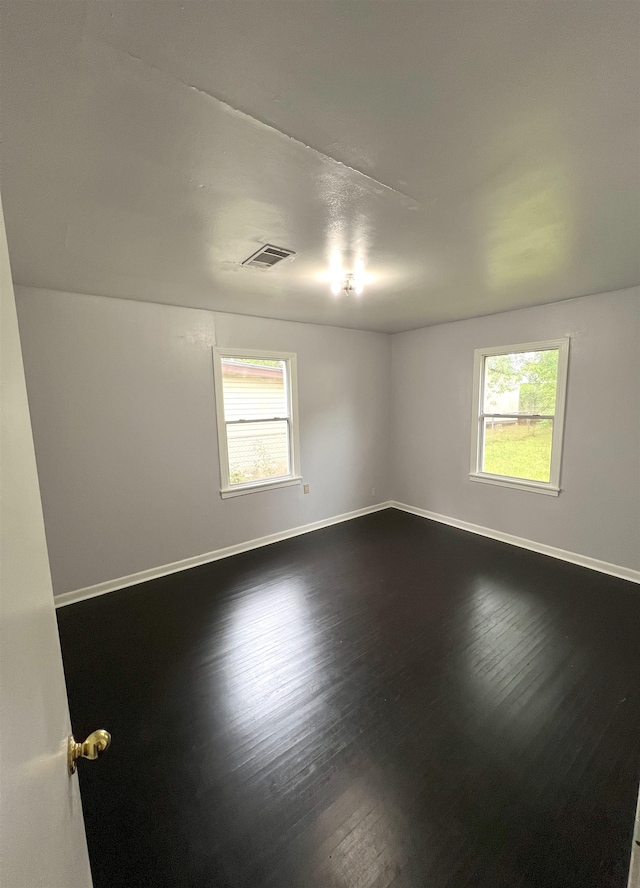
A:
(386, 703)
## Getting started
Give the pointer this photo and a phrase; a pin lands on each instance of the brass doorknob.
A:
(90, 749)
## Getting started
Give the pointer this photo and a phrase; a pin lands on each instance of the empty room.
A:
(320, 376)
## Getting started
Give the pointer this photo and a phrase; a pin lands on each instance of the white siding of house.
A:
(257, 450)
(251, 396)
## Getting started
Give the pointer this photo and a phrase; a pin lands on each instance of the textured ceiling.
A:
(474, 156)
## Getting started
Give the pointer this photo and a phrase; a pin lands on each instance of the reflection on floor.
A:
(386, 702)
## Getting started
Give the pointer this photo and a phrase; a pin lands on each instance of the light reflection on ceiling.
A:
(529, 226)
(149, 148)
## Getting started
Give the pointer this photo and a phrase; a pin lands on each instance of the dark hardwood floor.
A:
(385, 702)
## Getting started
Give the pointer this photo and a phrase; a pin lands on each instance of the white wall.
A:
(123, 412)
(598, 511)
(122, 406)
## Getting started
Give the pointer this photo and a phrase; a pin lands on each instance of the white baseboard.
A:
(614, 570)
(155, 572)
(624, 573)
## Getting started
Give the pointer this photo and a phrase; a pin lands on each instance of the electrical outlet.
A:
(373, 491)
(305, 489)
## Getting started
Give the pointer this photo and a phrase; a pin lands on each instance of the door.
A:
(634, 870)
(42, 840)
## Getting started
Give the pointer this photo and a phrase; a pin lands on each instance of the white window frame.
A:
(552, 487)
(226, 488)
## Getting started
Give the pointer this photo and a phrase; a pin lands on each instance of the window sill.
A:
(516, 483)
(228, 492)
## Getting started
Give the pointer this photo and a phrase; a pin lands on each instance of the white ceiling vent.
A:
(268, 256)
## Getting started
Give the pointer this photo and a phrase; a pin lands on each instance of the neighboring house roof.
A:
(237, 368)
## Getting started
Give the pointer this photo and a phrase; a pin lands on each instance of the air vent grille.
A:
(268, 256)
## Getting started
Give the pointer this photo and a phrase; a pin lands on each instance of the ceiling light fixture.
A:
(347, 283)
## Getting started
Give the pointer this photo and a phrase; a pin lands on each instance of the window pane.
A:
(253, 388)
(518, 448)
(523, 382)
(257, 451)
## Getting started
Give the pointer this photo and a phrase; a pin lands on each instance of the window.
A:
(257, 411)
(518, 415)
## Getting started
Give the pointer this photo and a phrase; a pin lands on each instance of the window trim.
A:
(551, 487)
(294, 477)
